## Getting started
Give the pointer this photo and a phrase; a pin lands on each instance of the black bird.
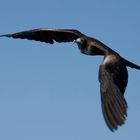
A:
(113, 75)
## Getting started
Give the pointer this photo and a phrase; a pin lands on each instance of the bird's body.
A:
(113, 75)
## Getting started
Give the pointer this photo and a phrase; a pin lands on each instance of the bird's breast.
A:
(110, 59)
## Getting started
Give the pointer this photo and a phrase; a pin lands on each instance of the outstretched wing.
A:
(47, 35)
(113, 80)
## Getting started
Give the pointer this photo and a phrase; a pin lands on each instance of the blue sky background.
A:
(51, 92)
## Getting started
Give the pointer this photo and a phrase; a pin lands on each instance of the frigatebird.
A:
(113, 75)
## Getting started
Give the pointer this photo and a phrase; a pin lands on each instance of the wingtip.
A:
(5, 35)
(1, 35)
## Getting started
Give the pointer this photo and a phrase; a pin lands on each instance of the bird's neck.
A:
(101, 49)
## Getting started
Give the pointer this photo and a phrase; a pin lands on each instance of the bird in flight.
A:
(113, 75)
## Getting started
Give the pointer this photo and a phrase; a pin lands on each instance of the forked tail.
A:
(130, 64)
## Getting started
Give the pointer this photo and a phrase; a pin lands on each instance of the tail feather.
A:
(130, 64)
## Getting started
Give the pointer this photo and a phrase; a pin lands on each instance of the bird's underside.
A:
(113, 74)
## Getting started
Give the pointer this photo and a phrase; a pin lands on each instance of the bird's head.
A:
(81, 42)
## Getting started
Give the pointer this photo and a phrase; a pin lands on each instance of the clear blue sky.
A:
(51, 92)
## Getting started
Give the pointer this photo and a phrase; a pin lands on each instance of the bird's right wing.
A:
(47, 35)
(113, 81)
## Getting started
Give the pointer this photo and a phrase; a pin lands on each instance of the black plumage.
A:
(113, 75)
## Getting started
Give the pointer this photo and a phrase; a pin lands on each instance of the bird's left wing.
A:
(47, 35)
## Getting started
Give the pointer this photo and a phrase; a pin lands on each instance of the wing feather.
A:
(113, 81)
(47, 35)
